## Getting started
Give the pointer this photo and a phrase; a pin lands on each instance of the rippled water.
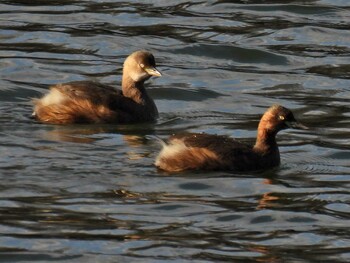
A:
(91, 193)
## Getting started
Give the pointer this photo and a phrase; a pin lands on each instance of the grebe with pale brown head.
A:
(91, 102)
(200, 151)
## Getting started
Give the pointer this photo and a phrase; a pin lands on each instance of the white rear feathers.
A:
(170, 150)
(53, 97)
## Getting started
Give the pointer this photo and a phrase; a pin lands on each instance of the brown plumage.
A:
(199, 151)
(91, 102)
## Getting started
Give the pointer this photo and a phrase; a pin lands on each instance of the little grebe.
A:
(199, 151)
(90, 102)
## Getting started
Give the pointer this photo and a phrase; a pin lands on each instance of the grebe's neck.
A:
(266, 139)
(134, 90)
(146, 109)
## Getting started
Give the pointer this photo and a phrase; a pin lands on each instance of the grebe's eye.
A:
(142, 65)
(281, 117)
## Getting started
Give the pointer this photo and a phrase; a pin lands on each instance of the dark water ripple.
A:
(91, 193)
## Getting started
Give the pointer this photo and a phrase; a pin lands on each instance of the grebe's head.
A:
(140, 66)
(278, 118)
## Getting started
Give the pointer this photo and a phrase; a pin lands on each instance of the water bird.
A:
(200, 151)
(92, 102)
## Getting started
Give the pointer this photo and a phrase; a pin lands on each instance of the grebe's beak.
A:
(153, 71)
(296, 125)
